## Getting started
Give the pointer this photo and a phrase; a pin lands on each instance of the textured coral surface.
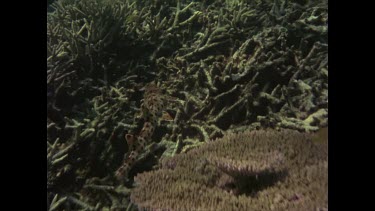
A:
(192, 182)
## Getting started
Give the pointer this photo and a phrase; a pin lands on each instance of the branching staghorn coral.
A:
(284, 170)
(94, 146)
(268, 72)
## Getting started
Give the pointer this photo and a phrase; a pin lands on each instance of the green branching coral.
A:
(252, 170)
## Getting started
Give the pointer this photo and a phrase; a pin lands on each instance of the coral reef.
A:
(229, 65)
(258, 170)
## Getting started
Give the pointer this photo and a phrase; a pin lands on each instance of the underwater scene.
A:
(179, 105)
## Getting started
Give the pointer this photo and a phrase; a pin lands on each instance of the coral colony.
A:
(187, 105)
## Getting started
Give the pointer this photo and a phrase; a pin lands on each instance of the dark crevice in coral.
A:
(251, 185)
